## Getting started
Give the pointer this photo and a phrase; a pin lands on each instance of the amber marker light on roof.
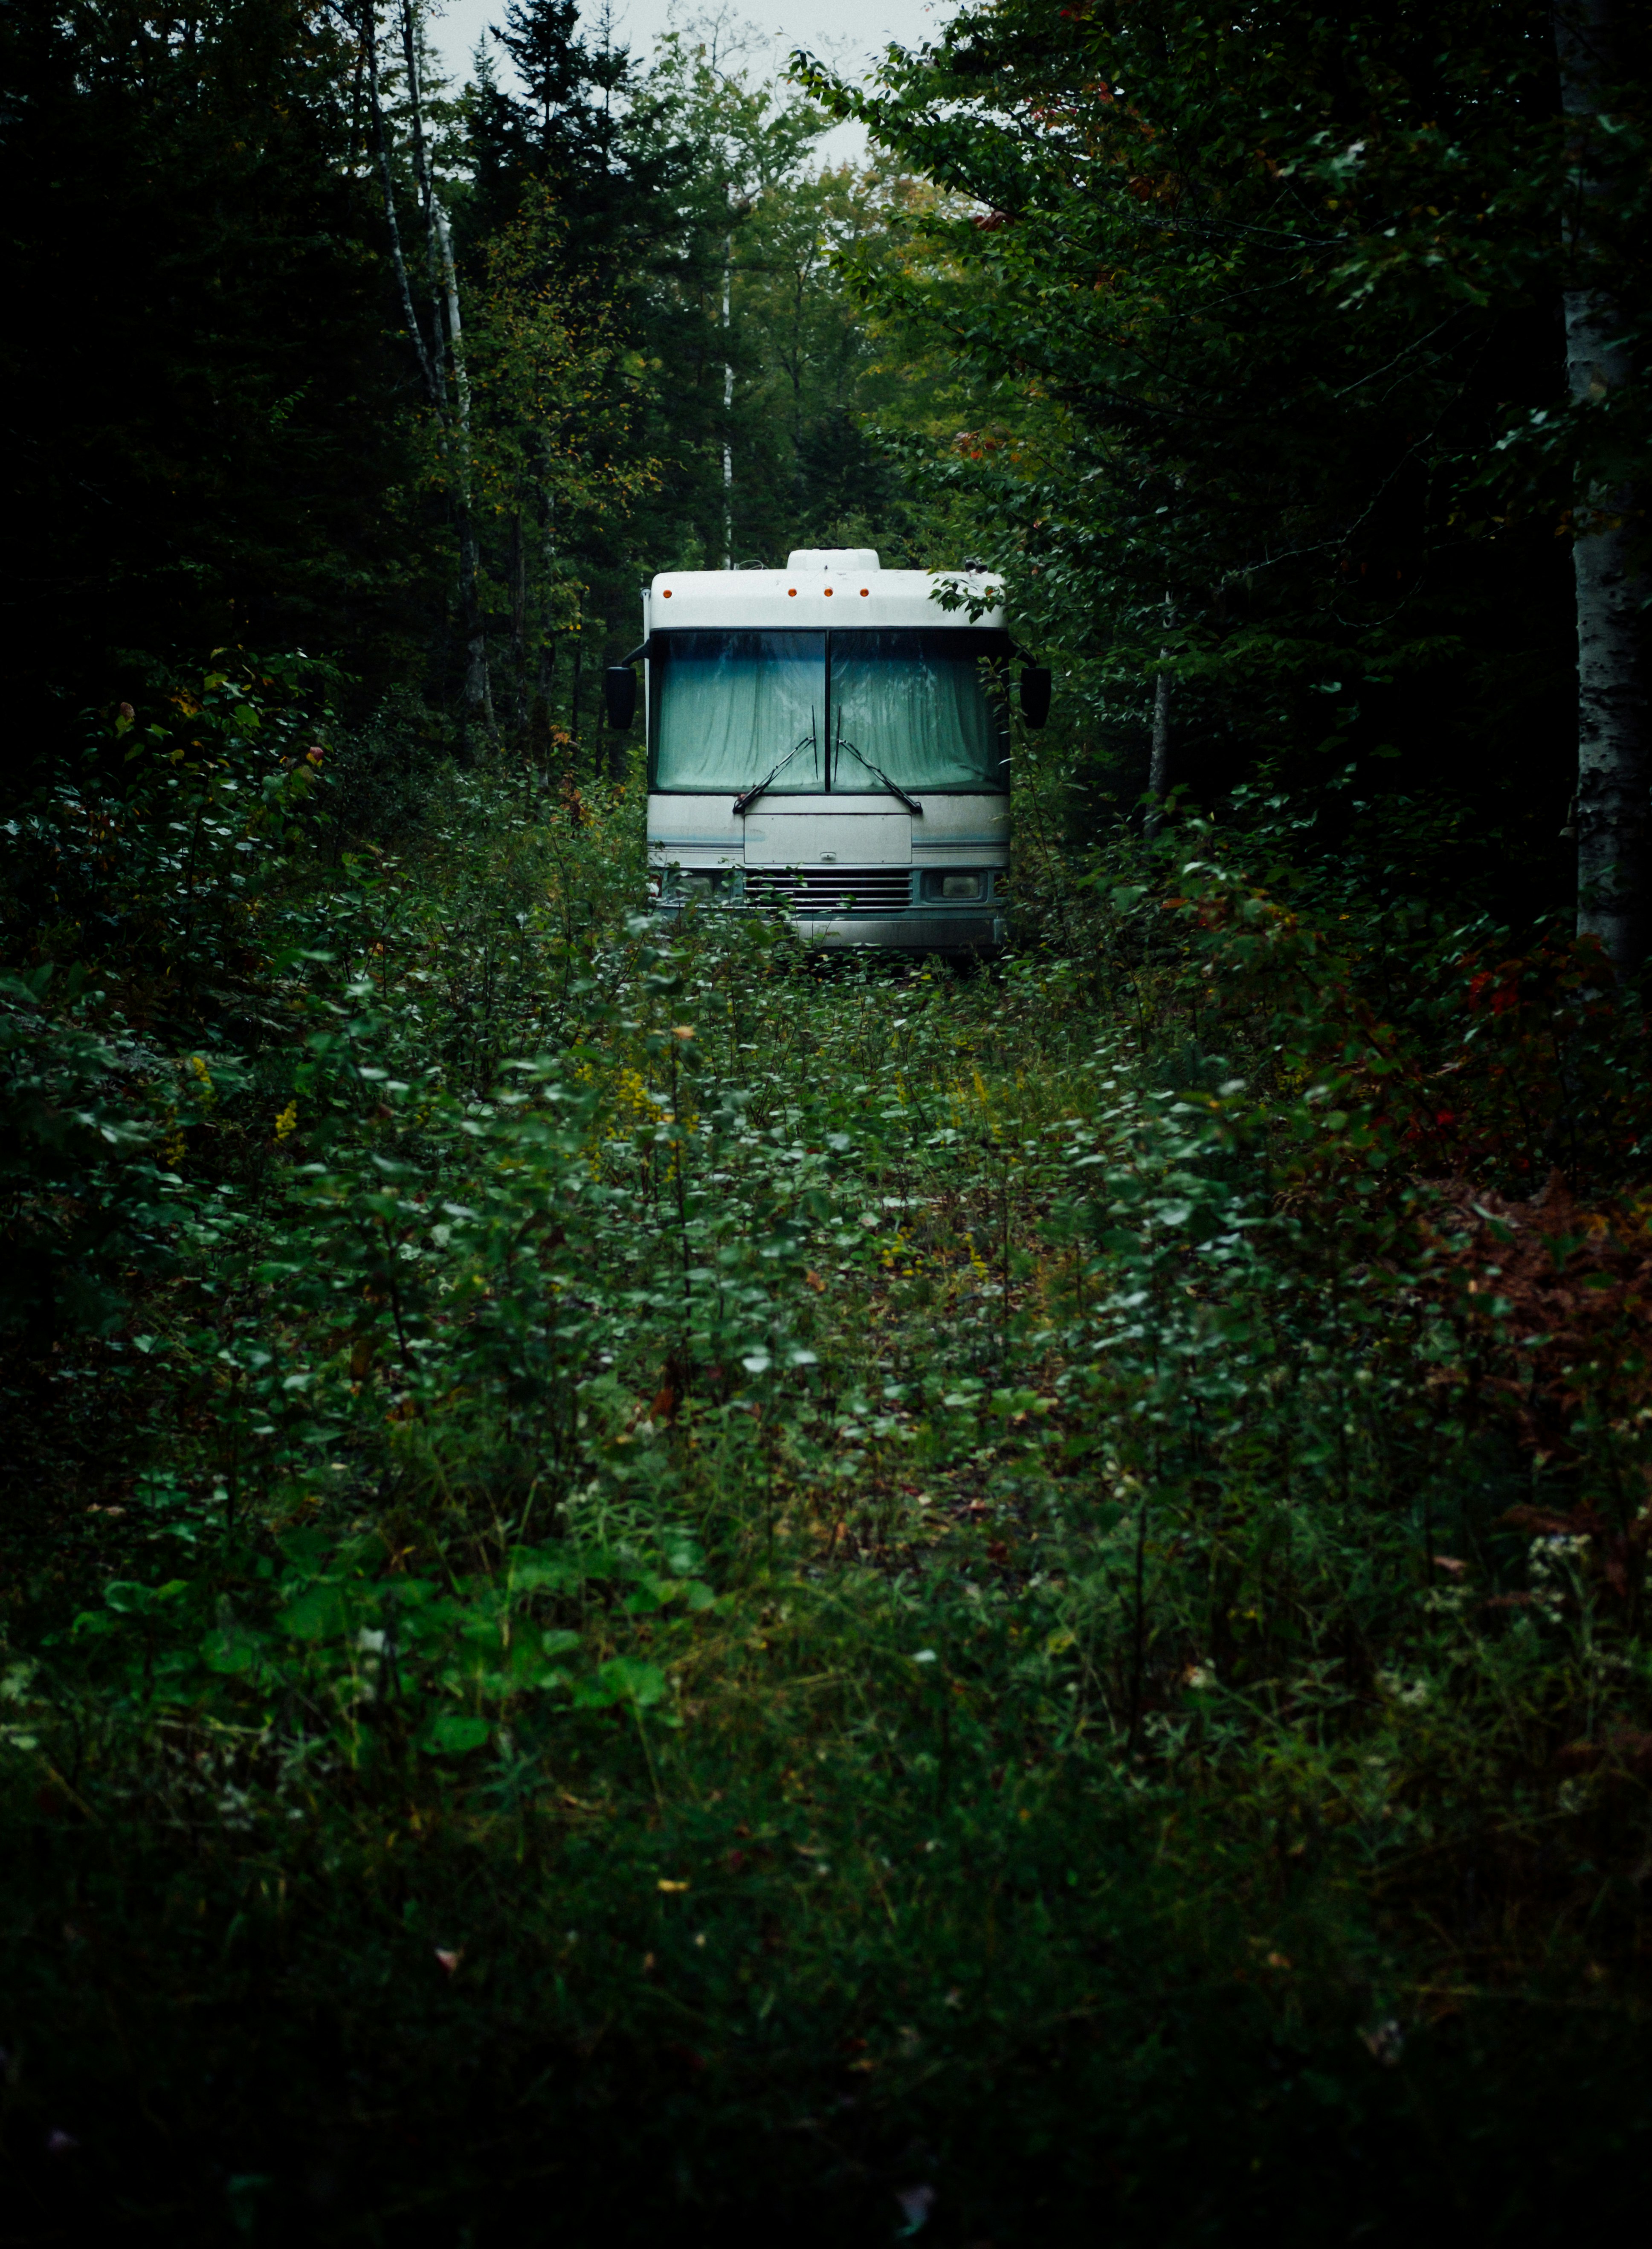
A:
(863, 592)
(666, 590)
(830, 591)
(791, 593)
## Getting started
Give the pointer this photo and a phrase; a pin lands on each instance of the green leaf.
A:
(232, 1650)
(127, 1599)
(359, 1553)
(455, 1734)
(531, 1567)
(308, 1549)
(653, 1593)
(628, 1679)
(322, 1614)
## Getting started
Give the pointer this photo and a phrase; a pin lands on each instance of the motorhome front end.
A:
(828, 740)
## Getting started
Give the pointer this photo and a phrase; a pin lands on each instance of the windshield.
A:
(732, 705)
(913, 706)
(910, 707)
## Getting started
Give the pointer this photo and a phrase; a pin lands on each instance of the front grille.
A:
(834, 890)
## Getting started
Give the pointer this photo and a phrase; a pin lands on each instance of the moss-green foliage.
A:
(690, 1589)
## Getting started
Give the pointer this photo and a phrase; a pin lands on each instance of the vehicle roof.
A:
(816, 596)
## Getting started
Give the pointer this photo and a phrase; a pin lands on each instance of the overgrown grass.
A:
(704, 1591)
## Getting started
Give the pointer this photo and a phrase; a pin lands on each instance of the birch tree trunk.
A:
(478, 702)
(728, 401)
(1612, 815)
(428, 368)
(453, 417)
(427, 196)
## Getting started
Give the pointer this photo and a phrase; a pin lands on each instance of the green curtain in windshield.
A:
(914, 704)
(733, 704)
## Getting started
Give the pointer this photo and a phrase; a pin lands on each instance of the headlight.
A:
(722, 884)
(954, 885)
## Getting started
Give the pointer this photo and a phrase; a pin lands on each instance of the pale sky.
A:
(850, 33)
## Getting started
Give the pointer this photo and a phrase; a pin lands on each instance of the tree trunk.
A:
(427, 194)
(476, 699)
(478, 704)
(1612, 813)
(355, 97)
(1159, 764)
(429, 369)
(519, 614)
(574, 698)
(728, 403)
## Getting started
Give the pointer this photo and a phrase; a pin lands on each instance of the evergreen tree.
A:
(578, 121)
(206, 442)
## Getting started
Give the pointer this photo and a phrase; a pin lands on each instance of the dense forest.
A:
(650, 1587)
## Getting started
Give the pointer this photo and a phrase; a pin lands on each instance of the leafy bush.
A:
(875, 1588)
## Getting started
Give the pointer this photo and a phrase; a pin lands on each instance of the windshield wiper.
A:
(748, 797)
(894, 786)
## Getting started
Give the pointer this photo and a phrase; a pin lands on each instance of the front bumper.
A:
(921, 931)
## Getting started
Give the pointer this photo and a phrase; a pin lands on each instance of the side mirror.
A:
(1035, 694)
(620, 693)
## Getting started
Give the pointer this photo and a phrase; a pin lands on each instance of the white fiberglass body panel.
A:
(813, 599)
(822, 831)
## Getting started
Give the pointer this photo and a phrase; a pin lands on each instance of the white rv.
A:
(828, 740)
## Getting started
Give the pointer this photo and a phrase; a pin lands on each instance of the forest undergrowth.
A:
(657, 1586)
